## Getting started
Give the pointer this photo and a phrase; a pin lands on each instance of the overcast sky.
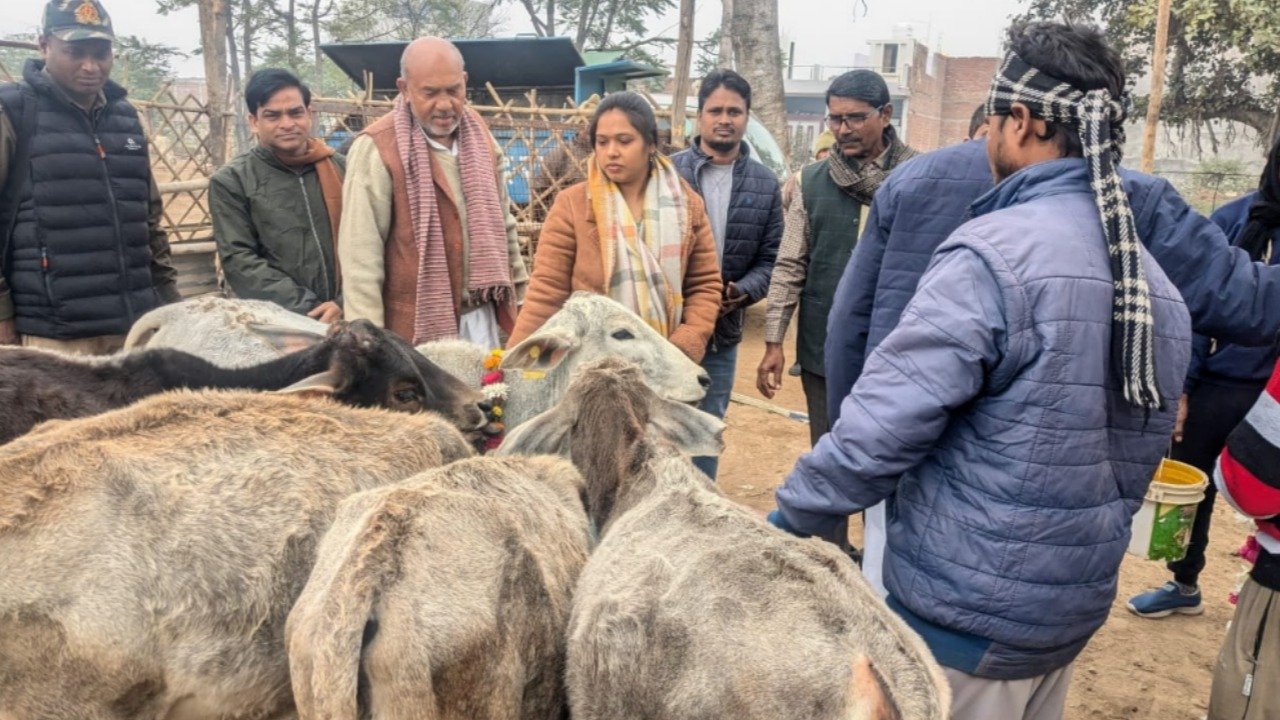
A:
(826, 32)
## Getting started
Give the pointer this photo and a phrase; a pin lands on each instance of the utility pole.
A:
(1157, 87)
(684, 58)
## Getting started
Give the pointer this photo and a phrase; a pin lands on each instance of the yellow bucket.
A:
(1162, 527)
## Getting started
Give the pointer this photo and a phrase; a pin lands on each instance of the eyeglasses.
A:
(853, 120)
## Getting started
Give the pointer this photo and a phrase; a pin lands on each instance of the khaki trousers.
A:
(1246, 678)
(101, 345)
(1038, 698)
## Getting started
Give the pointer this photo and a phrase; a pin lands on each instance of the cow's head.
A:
(611, 425)
(590, 327)
(372, 367)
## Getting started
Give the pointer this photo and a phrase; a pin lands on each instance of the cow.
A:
(445, 596)
(537, 371)
(149, 556)
(358, 363)
(694, 607)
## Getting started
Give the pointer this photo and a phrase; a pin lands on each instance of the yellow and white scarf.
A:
(644, 263)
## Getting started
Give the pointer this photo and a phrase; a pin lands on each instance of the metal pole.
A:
(1157, 87)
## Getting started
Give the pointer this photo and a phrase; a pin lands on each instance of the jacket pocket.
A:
(46, 276)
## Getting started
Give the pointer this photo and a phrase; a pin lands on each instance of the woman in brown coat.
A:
(633, 231)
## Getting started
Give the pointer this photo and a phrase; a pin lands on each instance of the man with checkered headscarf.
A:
(1015, 415)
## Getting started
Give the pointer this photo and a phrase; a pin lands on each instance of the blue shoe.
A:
(1164, 601)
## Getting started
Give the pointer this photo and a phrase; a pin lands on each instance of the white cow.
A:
(589, 327)
(693, 607)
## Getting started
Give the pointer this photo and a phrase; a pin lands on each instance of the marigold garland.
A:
(493, 376)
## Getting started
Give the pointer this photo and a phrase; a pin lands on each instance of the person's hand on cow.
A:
(326, 312)
(1181, 418)
(8, 332)
(769, 374)
(732, 299)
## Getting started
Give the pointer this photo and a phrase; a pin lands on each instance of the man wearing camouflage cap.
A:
(83, 255)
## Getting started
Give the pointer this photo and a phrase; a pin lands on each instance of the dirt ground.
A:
(1133, 668)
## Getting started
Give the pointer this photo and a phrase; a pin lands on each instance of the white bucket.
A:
(1162, 528)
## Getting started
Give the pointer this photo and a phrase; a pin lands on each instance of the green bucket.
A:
(1162, 527)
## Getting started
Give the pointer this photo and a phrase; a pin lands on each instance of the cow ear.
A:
(541, 351)
(286, 339)
(690, 430)
(544, 434)
(325, 383)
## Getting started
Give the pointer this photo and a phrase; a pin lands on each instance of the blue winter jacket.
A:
(992, 420)
(1229, 361)
(751, 235)
(927, 198)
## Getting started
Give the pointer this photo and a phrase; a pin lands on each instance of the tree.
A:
(709, 55)
(759, 58)
(13, 56)
(725, 34)
(317, 13)
(214, 18)
(144, 67)
(140, 66)
(1224, 56)
(374, 20)
(684, 58)
(596, 23)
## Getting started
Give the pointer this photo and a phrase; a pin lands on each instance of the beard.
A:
(435, 134)
(1001, 165)
(722, 146)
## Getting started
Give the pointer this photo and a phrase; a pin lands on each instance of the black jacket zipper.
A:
(126, 291)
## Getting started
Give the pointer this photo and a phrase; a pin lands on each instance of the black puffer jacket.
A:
(78, 246)
(751, 235)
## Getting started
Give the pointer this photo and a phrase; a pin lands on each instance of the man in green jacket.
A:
(822, 225)
(276, 207)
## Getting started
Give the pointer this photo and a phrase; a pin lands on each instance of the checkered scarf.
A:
(644, 265)
(1099, 119)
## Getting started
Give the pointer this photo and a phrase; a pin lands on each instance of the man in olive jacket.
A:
(276, 207)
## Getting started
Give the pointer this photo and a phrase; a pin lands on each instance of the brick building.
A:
(941, 93)
(933, 95)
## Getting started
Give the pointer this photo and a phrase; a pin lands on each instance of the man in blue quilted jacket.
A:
(1015, 415)
(744, 205)
(928, 197)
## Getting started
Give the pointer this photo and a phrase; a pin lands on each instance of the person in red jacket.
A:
(1246, 678)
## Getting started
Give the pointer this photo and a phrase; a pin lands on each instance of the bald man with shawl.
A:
(428, 244)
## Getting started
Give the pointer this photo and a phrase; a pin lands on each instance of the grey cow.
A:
(693, 607)
(149, 556)
(448, 595)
